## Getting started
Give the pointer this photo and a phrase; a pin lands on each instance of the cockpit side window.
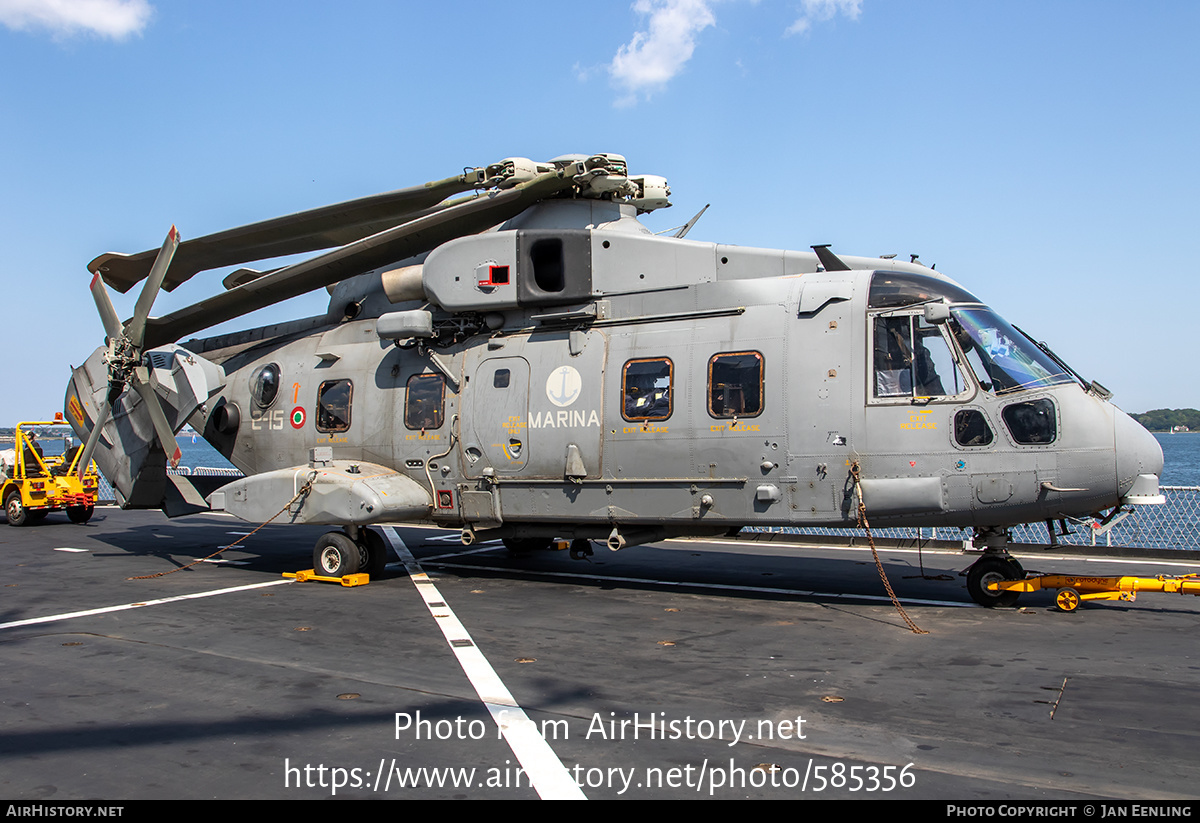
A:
(1032, 423)
(911, 359)
(971, 428)
(333, 405)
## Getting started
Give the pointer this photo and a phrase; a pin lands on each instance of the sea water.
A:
(194, 451)
(1181, 459)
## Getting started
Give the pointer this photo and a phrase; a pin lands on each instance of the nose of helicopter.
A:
(1139, 461)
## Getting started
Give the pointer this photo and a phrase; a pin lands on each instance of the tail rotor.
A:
(124, 357)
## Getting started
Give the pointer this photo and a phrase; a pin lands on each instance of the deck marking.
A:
(463, 553)
(546, 772)
(65, 549)
(139, 604)
(458, 537)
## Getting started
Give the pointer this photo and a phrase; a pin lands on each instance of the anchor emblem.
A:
(563, 386)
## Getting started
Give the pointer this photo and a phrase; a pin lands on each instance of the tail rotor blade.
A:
(145, 301)
(85, 459)
(108, 315)
(166, 437)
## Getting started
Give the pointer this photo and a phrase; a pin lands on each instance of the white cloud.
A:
(116, 19)
(656, 54)
(818, 11)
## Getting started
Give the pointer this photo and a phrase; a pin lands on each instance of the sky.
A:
(1043, 154)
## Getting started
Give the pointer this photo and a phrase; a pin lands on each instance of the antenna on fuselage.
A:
(686, 227)
(828, 259)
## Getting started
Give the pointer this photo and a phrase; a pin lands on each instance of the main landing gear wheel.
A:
(80, 514)
(18, 515)
(336, 555)
(993, 569)
(1067, 600)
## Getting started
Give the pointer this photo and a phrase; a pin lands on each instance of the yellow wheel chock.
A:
(311, 574)
(1074, 590)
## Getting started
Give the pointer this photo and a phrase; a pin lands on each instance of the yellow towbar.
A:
(1073, 589)
(361, 579)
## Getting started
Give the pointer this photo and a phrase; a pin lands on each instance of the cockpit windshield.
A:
(1003, 359)
(894, 289)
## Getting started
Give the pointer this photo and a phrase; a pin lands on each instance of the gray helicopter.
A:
(511, 353)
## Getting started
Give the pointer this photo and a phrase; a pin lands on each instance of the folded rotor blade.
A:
(166, 437)
(145, 301)
(405, 240)
(108, 315)
(241, 277)
(305, 231)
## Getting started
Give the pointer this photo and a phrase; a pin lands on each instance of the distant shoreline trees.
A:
(1164, 420)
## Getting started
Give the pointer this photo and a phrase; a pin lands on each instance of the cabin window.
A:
(971, 428)
(425, 401)
(333, 405)
(501, 379)
(735, 384)
(264, 385)
(1032, 423)
(646, 389)
(912, 359)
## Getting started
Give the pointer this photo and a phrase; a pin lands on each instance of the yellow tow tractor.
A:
(32, 486)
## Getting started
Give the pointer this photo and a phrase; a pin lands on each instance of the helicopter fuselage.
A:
(631, 386)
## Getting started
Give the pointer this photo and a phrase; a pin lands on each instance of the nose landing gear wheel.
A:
(1067, 600)
(993, 569)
